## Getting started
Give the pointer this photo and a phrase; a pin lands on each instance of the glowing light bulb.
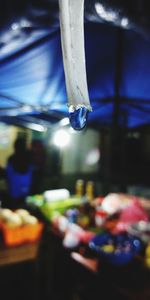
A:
(61, 138)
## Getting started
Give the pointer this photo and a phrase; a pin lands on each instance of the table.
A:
(46, 270)
(19, 254)
(76, 274)
(19, 271)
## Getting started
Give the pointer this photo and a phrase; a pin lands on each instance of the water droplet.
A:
(78, 118)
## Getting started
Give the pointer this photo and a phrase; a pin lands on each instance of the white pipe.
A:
(73, 50)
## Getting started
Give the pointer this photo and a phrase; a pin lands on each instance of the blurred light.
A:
(64, 122)
(135, 135)
(124, 22)
(104, 14)
(36, 127)
(61, 138)
(25, 23)
(21, 24)
(92, 157)
(26, 108)
(15, 26)
(71, 130)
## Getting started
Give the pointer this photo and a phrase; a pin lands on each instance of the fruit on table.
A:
(5, 213)
(22, 212)
(116, 247)
(108, 248)
(17, 218)
(30, 220)
(13, 220)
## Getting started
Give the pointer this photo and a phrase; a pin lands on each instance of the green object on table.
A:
(35, 200)
(48, 209)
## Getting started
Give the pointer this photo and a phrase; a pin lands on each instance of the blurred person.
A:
(38, 159)
(19, 172)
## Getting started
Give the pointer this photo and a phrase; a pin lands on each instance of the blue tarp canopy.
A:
(32, 85)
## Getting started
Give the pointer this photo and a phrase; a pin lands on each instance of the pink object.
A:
(114, 202)
(130, 215)
(87, 236)
(133, 213)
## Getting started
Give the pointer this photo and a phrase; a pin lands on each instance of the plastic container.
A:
(14, 236)
(113, 248)
(56, 195)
